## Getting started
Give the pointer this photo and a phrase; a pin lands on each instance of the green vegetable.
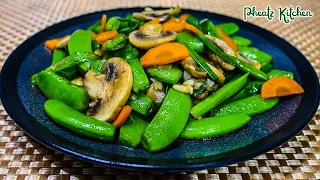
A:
(93, 26)
(199, 91)
(131, 131)
(207, 27)
(232, 76)
(276, 72)
(218, 97)
(140, 80)
(250, 106)
(68, 73)
(191, 40)
(241, 41)
(255, 54)
(229, 28)
(249, 89)
(267, 68)
(213, 126)
(244, 66)
(96, 66)
(77, 122)
(202, 63)
(169, 73)
(95, 46)
(113, 24)
(168, 123)
(116, 43)
(54, 86)
(140, 103)
(193, 21)
(128, 52)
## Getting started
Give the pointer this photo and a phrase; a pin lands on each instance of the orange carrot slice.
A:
(192, 28)
(164, 54)
(280, 86)
(103, 23)
(173, 25)
(123, 116)
(103, 37)
(51, 44)
(183, 17)
(227, 39)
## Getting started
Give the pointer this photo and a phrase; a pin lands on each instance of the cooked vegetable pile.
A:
(153, 78)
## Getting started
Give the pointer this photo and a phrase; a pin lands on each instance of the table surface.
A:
(22, 157)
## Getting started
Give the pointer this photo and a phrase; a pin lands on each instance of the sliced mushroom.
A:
(191, 67)
(163, 15)
(218, 72)
(77, 81)
(63, 42)
(110, 90)
(150, 36)
(256, 64)
(156, 92)
(224, 47)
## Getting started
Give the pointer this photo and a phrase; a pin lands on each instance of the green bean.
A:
(229, 28)
(276, 72)
(116, 43)
(241, 41)
(113, 24)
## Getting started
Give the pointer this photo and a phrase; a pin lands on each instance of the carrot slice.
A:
(227, 39)
(164, 54)
(183, 17)
(123, 116)
(103, 37)
(173, 25)
(280, 86)
(192, 28)
(51, 44)
(103, 23)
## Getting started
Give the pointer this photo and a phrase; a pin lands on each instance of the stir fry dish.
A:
(155, 76)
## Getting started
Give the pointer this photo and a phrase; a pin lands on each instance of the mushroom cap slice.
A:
(191, 67)
(110, 90)
(163, 15)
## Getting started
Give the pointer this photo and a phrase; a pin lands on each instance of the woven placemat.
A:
(22, 157)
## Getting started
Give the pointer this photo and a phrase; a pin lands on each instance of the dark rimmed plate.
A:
(264, 132)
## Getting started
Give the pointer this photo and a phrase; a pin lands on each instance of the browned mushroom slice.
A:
(163, 15)
(156, 92)
(192, 68)
(217, 71)
(256, 64)
(110, 90)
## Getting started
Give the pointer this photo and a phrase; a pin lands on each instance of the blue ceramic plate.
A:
(264, 132)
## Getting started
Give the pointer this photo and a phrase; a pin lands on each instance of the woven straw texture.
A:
(21, 157)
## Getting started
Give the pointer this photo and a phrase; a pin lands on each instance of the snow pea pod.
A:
(140, 80)
(250, 106)
(68, 73)
(191, 40)
(267, 68)
(241, 41)
(255, 54)
(244, 66)
(127, 53)
(249, 89)
(116, 43)
(169, 73)
(213, 126)
(192, 20)
(93, 26)
(168, 123)
(229, 28)
(131, 131)
(218, 97)
(140, 103)
(276, 72)
(207, 27)
(77, 122)
(113, 24)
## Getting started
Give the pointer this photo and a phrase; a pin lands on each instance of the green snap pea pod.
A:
(140, 80)
(95, 45)
(96, 66)
(207, 27)
(249, 89)
(255, 54)
(267, 68)
(128, 52)
(241, 41)
(218, 97)
(250, 106)
(93, 26)
(244, 66)
(97, 29)
(113, 24)
(116, 43)
(276, 72)
(213, 126)
(165, 73)
(54, 86)
(68, 73)
(168, 123)
(233, 76)
(77, 122)
(229, 28)
(140, 103)
(131, 131)
(191, 40)
(202, 63)
(193, 21)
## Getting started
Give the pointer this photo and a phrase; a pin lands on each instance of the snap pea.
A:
(95, 45)
(193, 21)
(207, 27)
(140, 80)
(244, 66)
(54, 86)
(166, 73)
(232, 76)
(213, 126)
(250, 106)
(113, 24)
(229, 28)
(241, 41)
(116, 43)
(68, 73)
(96, 66)
(266, 68)
(140, 103)
(255, 54)
(131, 131)
(202, 63)
(218, 97)
(249, 89)
(93, 26)
(168, 123)
(275, 72)
(127, 53)
(77, 122)
(191, 40)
